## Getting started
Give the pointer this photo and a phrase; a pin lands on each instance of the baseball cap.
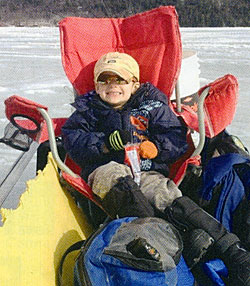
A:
(121, 64)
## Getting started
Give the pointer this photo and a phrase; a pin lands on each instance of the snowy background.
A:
(30, 66)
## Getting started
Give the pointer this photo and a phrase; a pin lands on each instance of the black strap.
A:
(226, 241)
(23, 129)
(73, 247)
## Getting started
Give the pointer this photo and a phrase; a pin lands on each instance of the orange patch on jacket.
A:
(140, 122)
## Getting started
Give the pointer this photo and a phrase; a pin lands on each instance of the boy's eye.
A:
(108, 80)
(120, 81)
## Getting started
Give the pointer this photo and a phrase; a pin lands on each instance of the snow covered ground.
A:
(30, 66)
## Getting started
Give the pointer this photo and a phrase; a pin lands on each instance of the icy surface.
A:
(30, 66)
(222, 51)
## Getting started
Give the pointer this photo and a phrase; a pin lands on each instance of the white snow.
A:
(30, 66)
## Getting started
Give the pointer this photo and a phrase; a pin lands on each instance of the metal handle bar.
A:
(201, 122)
(53, 146)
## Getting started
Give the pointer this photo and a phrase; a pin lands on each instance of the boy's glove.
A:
(117, 140)
(148, 150)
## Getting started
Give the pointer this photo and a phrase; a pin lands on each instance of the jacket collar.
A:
(92, 99)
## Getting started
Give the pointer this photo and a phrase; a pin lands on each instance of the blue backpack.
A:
(226, 189)
(132, 251)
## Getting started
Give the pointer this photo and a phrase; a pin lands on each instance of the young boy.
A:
(121, 111)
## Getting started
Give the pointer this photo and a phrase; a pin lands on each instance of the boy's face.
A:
(114, 90)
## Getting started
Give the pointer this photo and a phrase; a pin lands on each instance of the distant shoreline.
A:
(191, 13)
(41, 25)
(44, 23)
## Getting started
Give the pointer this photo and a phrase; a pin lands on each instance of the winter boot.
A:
(237, 260)
(196, 244)
(186, 215)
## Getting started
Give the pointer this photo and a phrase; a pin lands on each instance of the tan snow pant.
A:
(159, 190)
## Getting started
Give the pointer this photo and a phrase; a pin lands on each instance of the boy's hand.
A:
(148, 150)
(118, 139)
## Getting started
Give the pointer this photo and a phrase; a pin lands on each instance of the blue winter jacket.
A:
(145, 115)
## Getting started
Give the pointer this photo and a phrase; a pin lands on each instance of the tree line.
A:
(192, 13)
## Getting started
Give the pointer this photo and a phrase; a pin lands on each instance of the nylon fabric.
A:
(167, 241)
(108, 270)
(19, 105)
(156, 32)
(215, 270)
(86, 130)
(220, 170)
(221, 99)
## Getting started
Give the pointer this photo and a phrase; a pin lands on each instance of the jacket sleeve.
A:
(168, 133)
(80, 141)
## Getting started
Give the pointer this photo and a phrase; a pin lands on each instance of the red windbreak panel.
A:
(18, 105)
(183, 168)
(57, 126)
(219, 106)
(152, 38)
(80, 185)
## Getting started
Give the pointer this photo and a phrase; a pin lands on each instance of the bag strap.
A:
(73, 247)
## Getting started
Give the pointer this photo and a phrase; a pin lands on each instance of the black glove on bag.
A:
(117, 140)
(126, 199)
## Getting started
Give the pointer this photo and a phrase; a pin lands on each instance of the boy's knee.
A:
(102, 179)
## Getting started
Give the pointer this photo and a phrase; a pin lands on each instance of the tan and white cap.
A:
(121, 64)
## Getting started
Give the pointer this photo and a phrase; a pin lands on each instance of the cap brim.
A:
(124, 74)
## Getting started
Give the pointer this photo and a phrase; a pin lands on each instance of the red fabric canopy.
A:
(152, 38)
(219, 106)
(17, 105)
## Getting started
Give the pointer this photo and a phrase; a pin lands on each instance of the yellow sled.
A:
(36, 234)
